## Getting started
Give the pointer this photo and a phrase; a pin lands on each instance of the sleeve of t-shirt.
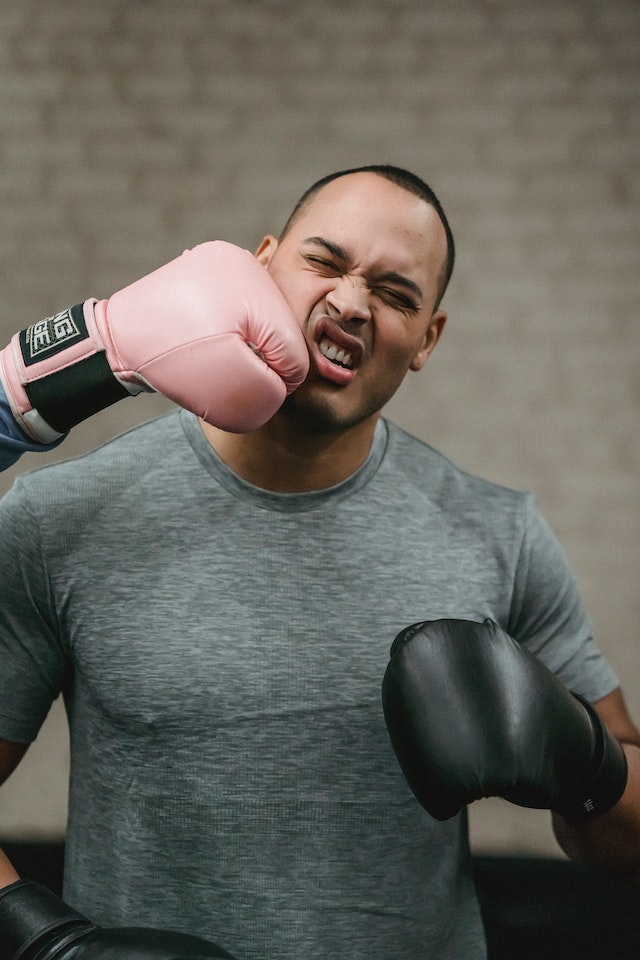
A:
(13, 441)
(548, 615)
(33, 664)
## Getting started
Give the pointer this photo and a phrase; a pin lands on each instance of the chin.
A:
(321, 414)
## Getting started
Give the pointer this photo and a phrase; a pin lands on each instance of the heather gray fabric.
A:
(221, 650)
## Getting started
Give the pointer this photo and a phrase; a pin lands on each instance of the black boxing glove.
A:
(37, 925)
(472, 714)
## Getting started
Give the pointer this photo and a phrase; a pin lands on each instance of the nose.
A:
(349, 297)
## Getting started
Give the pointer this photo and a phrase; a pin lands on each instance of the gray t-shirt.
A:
(221, 650)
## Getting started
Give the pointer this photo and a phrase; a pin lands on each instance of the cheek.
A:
(301, 294)
(395, 347)
(402, 338)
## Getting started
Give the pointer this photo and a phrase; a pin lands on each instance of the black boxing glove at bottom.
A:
(472, 714)
(37, 925)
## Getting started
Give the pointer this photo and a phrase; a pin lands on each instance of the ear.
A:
(266, 250)
(430, 339)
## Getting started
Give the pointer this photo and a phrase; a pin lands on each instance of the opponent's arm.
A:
(14, 441)
(472, 714)
(209, 330)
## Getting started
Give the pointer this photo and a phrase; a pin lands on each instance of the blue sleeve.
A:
(13, 442)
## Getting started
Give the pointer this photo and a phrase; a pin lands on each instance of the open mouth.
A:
(335, 354)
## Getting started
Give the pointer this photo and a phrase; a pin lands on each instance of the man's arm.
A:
(473, 714)
(10, 756)
(613, 840)
(8, 873)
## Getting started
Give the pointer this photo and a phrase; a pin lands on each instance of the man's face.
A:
(359, 267)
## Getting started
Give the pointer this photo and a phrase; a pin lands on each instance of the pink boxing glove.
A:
(210, 330)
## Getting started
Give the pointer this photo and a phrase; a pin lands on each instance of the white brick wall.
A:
(131, 130)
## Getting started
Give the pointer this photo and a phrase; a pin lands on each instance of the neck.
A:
(283, 460)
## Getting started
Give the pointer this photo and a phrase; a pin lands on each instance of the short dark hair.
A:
(402, 178)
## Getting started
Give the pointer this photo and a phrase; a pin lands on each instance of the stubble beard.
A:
(320, 415)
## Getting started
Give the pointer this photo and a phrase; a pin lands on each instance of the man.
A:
(217, 608)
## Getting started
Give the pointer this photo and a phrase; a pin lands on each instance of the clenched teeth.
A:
(335, 354)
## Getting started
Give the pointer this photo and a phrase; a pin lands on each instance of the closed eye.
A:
(325, 266)
(396, 299)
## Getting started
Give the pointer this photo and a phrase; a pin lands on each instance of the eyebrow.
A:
(390, 277)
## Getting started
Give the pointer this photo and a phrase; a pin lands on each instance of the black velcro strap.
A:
(73, 394)
(52, 335)
(608, 778)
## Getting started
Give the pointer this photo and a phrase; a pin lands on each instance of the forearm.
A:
(8, 873)
(13, 442)
(613, 840)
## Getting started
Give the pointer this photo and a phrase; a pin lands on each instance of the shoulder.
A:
(100, 476)
(432, 475)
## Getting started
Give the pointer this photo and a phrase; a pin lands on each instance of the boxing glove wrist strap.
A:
(29, 914)
(68, 396)
(607, 780)
(67, 392)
